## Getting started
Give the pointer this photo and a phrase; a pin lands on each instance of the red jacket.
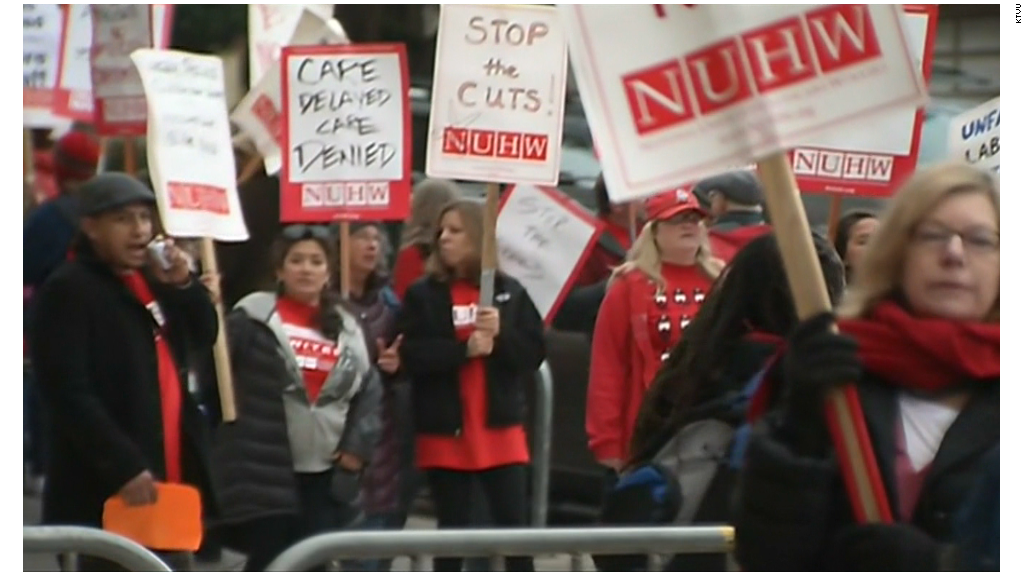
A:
(725, 245)
(408, 269)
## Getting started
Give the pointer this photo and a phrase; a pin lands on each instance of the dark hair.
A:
(751, 295)
(328, 319)
(846, 223)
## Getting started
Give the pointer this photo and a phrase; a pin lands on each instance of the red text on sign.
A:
(347, 194)
(757, 62)
(495, 144)
(263, 108)
(842, 165)
(198, 198)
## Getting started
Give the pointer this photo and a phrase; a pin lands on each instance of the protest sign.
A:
(270, 27)
(258, 114)
(41, 47)
(120, 101)
(872, 158)
(191, 160)
(674, 93)
(543, 239)
(974, 136)
(347, 140)
(74, 91)
(498, 97)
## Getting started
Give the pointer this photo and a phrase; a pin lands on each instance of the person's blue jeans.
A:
(370, 522)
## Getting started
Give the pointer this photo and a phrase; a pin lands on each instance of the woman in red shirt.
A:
(650, 301)
(469, 365)
(428, 198)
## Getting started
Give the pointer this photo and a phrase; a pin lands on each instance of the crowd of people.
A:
(706, 391)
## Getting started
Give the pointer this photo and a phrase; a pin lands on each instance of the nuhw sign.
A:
(675, 93)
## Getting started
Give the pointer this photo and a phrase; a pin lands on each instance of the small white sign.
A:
(542, 239)
(270, 28)
(974, 136)
(117, 31)
(41, 48)
(499, 94)
(191, 159)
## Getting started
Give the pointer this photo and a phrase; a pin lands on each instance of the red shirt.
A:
(671, 311)
(167, 374)
(408, 269)
(477, 447)
(315, 354)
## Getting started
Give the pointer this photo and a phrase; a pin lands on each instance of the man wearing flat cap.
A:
(735, 201)
(111, 333)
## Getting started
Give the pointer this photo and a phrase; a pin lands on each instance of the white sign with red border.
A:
(258, 114)
(270, 27)
(347, 138)
(191, 159)
(74, 91)
(41, 47)
(498, 99)
(974, 136)
(543, 240)
(120, 100)
(674, 93)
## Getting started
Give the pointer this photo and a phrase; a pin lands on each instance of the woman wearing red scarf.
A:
(920, 339)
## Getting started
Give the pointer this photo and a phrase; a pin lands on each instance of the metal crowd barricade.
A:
(75, 540)
(543, 414)
(422, 545)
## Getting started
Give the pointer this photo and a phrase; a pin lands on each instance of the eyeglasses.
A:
(306, 231)
(975, 241)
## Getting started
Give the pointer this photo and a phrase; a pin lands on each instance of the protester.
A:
(706, 378)
(736, 208)
(651, 300)
(852, 235)
(920, 327)
(578, 312)
(428, 198)
(469, 366)
(308, 402)
(109, 344)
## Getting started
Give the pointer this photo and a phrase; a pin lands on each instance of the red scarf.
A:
(927, 354)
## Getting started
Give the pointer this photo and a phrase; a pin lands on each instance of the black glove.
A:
(816, 361)
(887, 548)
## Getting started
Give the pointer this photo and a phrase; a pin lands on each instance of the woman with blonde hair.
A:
(920, 341)
(428, 198)
(651, 299)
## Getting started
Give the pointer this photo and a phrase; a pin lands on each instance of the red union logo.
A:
(842, 165)
(757, 62)
(495, 144)
(198, 198)
(352, 194)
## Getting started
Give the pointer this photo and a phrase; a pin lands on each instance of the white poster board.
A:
(258, 115)
(41, 48)
(191, 160)
(674, 93)
(120, 100)
(498, 96)
(543, 238)
(270, 28)
(974, 136)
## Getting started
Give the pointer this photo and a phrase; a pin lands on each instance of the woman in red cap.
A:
(651, 299)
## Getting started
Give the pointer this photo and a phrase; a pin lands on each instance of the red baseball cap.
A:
(76, 156)
(666, 205)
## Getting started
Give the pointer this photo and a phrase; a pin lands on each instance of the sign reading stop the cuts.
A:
(674, 93)
(347, 142)
(499, 94)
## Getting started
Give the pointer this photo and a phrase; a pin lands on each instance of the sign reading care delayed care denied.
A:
(674, 99)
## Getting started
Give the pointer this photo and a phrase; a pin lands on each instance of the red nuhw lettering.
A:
(781, 54)
(198, 198)
(493, 144)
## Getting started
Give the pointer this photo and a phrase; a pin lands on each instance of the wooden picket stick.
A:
(28, 158)
(346, 259)
(489, 250)
(632, 223)
(835, 207)
(221, 356)
(129, 155)
(810, 295)
(251, 167)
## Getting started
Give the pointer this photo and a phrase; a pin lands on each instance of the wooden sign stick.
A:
(489, 250)
(28, 158)
(129, 155)
(221, 356)
(834, 210)
(632, 223)
(346, 259)
(810, 295)
(250, 169)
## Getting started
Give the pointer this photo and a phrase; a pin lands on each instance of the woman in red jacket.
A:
(650, 301)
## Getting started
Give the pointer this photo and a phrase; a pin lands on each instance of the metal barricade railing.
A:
(422, 545)
(74, 540)
(543, 414)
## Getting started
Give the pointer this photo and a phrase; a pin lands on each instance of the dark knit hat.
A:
(740, 187)
(110, 191)
(76, 156)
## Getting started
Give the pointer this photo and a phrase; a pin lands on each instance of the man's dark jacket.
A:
(92, 345)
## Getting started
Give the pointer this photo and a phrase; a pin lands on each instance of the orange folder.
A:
(173, 524)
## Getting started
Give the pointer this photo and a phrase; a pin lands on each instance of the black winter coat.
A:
(93, 349)
(432, 356)
(790, 508)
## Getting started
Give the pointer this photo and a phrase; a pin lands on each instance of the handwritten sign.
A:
(677, 97)
(543, 238)
(347, 136)
(191, 159)
(499, 94)
(74, 91)
(41, 57)
(974, 136)
(120, 102)
(270, 27)
(258, 115)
